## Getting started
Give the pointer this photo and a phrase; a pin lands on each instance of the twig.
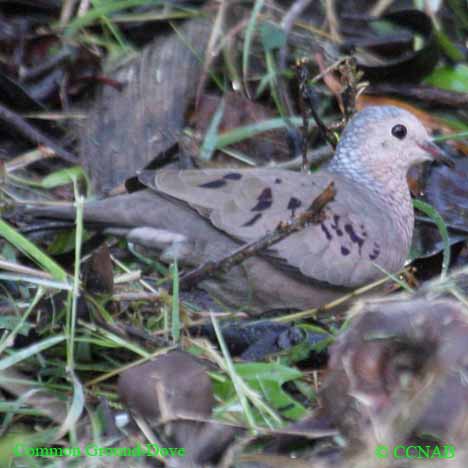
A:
(312, 215)
(83, 8)
(327, 70)
(324, 311)
(302, 75)
(34, 135)
(307, 105)
(138, 296)
(330, 78)
(217, 32)
(287, 23)
(47, 226)
(380, 7)
(332, 18)
(23, 270)
(67, 11)
(350, 77)
(428, 94)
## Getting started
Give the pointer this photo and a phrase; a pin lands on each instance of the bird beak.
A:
(436, 153)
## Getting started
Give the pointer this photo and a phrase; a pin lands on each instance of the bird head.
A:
(385, 141)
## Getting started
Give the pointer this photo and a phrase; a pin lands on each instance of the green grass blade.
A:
(30, 351)
(236, 380)
(451, 137)
(108, 8)
(76, 408)
(211, 137)
(29, 249)
(430, 211)
(62, 177)
(74, 294)
(249, 32)
(242, 133)
(46, 283)
(9, 337)
(175, 320)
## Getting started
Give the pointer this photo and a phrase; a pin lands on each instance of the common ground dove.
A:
(200, 215)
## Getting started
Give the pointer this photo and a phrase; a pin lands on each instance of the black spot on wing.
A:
(353, 236)
(233, 176)
(293, 204)
(326, 231)
(218, 183)
(253, 220)
(363, 230)
(375, 251)
(264, 200)
(345, 251)
(278, 181)
(336, 225)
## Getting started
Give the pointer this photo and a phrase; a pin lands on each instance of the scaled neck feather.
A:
(386, 186)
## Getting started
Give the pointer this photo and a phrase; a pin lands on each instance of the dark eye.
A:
(399, 131)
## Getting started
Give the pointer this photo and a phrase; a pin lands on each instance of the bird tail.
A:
(122, 210)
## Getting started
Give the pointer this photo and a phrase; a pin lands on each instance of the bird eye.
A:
(399, 131)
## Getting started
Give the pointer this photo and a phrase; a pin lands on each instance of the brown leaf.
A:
(98, 274)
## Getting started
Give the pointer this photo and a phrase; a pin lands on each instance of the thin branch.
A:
(287, 24)
(34, 135)
(307, 106)
(427, 94)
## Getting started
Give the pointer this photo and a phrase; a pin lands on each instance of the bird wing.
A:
(246, 204)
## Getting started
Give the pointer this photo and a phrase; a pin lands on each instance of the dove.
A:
(203, 214)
